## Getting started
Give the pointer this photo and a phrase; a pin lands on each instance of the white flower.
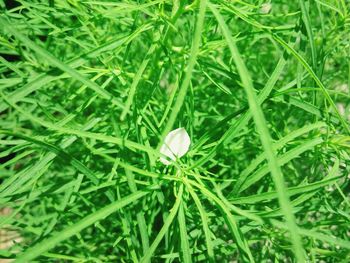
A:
(176, 145)
(265, 8)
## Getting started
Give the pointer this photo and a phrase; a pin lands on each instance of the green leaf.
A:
(49, 243)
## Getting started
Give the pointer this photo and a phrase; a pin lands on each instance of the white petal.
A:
(265, 8)
(176, 145)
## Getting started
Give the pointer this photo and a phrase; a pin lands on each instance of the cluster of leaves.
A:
(89, 89)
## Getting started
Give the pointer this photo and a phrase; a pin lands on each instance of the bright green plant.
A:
(89, 91)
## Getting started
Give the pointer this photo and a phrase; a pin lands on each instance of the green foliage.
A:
(90, 89)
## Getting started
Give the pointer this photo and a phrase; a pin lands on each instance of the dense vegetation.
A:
(90, 89)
